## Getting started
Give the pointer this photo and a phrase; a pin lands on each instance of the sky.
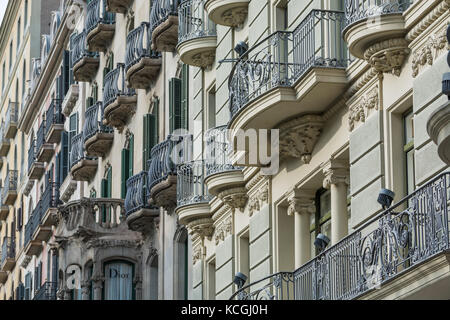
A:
(3, 4)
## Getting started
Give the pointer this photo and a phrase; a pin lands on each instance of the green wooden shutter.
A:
(104, 194)
(125, 172)
(64, 159)
(175, 114)
(146, 142)
(131, 157)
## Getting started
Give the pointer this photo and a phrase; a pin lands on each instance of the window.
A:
(10, 55)
(18, 34)
(73, 128)
(211, 280)
(181, 266)
(25, 15)
(154, 279)
(321, 221)
(106, 192)
(151, 136)
(408, 149)
(179, 101)
(24, 79)
(211, 111)
(281, 16)
(127, 165)
(244, 255)
(119, 277)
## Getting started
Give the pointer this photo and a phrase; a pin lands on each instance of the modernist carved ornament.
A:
(388, 56)
(204, 59)
(261, 197)
(427, 54)
(359, 111)
(299, 136)
(235, 16)
(197, 254)
(224, 230)
(202, 228)
(235, 198)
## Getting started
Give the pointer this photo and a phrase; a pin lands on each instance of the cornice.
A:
(8, 23)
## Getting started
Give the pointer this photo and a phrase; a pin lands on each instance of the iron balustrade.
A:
(47, 291)
(139, 45)
(358, 10)
(10, 182)
(77, 151)
(53, 115)
(115, 85)
(218, 151)
(78, 49)
(8, 249)
(283, 58)
(137, 193)
(94, 121)
(31, 154)
(33, 223)
(193, 21)
(50, 197)
(12, 114)
(191, 186)
(278, 286)
(414, 230)
(165, 156)
(97, 14)
(40, 136)
(161, 10)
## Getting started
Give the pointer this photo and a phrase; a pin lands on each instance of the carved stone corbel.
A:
(235, 198)
(388, 56)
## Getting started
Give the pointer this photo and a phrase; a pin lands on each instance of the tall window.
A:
(408, 148)
(119, 281)
(127, 165)
(25, 15)
(73, 128)
(181, 266)
(24, 78)
(10, 55)
(18, 33)
(150, 136)
(179, 101)
(321, 221)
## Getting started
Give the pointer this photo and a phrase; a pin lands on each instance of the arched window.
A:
(119, 275)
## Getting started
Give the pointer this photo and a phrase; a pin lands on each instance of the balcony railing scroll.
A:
(191, 186)
(46, 292)
(161, 10)
(77, 153)
(115, 85)
(50, 197)
(410, 232)
(79, 50)
(94, 121)
(8, 249)
(97, 14)
(53, 115)
(33, 223)
(139, 45)
(194, 21)
(137, 193)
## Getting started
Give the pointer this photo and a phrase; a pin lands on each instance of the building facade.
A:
(167, 145)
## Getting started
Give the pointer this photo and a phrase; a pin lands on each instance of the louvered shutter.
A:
(146, 143)
(66, 72)
(125, 172)
(175, 114)
(64, 157)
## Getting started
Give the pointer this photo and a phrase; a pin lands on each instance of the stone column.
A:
(337, 180)
(98, 287)
(85, 290)
(67, 294)
(301, 206)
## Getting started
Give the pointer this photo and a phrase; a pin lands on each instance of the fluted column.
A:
(337, 180)
(301, 206)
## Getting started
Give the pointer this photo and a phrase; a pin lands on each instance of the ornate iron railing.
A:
(193, 21)
(191, 186)
(218, 151)
(161, 10)
(50, 197)
(31, 154)
(137, 193)
(12, 114)
(77, 151)
(53, 115)
(410, 232)
(283, 58)
(115, 85)
(97, 14)
(46, 292)
(8, 249)
(94, 121)
(279, 286)
(165, 156)
(33, 223)
(358, 10)
(40, 136)
(10, 182)
(139, 45)
(78, 48)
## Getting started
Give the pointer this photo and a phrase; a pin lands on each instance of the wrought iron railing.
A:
(283, 58)
(165, 156)
(78, 49)
(115, 85)
(77, 150)
(8, 249)
(33, 223)
(137, 193)
(193, 21)
(279, 286)
(47, 291)
(31, 154)
(94, 121)
(12, 114)
(357, 10)
(50, 197)
(412, 231)
(10, 182)
(161, 10)
(139, 45)
(40, 136)
(53, 115)
(97, 14)
(191, 186)
(218, 151)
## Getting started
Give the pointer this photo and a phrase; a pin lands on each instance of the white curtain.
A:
(119, 281)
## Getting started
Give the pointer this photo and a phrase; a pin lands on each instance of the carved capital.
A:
(335, 172)
(223, 230)
(388, 56)
(202, 228)
(204, 59)
(235, 198)
(301, 202)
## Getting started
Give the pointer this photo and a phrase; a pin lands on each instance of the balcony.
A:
(85, 63)
(10, 188)
(100, 26)
(3, 277)
(287, 80)
(140, 214)
(35, 169)
(162, 175)
(396, 249)
(54, 122)
(375, 31)
(119, 100)
(44, 150)
(118, 6)
(50, 201)
(438, 128)
(36, 232)
(46, 292)
(8, 254)
(192, 195)
(82, 167)
(230, 13)
(12, 117)
(98, 138)
(164, 25)
(70, 99)
(142, 64)
(4, 209)
(197, 39)
(4, 142)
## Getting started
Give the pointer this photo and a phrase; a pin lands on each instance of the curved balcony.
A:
(85, 63)
(35, 232)
(35, 169)
(12, 117)
(375, 31)
(118, 6)
(8, 258)
(50, 202)
(230, 13)
(119, 100)
(142, 64)
(438, 128)
(197, 39)
(4, 209)
(10, 190)
(54, 122)
(82, 167)
(140, 214)
(289, 75)
(4, 142)
(192, 193)
(98, 138)
(162, 174)
(100, 26)
(393, 249)
(44, 150)
(164, 25)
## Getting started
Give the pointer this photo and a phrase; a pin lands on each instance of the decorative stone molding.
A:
(223, 230)
(258, 198)
(388, 56)
(236, 16)
(202, 228)
(130, 18)
(253, 206)
(113, 243)
(361, 82)
(204, 59)
(197, 254)
(427, 54)
(301, 202)
(335, 172)
(426, 21)
(299, 136)
(235, 198)
(360, 110)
